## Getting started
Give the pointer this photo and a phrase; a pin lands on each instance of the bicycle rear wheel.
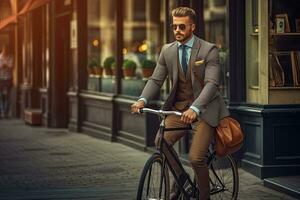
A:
(154, 182)
(224, 180)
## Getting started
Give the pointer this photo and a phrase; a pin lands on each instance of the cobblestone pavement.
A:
(40, 163)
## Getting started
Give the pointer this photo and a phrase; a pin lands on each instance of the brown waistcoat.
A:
(184, 93)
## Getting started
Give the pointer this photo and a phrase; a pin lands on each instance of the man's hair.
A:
(183, 12)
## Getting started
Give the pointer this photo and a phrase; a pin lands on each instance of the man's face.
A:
(183, 28)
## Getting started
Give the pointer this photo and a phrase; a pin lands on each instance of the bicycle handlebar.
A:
(160, 112)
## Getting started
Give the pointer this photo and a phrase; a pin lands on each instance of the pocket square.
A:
(199, 62)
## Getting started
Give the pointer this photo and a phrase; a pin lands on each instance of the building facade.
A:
(71, 56)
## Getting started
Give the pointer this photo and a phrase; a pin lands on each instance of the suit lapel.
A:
(195, 50)
(171, 57)
(174, 61)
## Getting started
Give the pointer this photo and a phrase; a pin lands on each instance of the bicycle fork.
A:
(162, 176)
(183, 180)
(170, 157)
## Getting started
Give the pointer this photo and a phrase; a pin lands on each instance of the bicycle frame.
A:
(181, 177)
(186, 185)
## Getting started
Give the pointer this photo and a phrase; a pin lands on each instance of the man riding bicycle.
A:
(192, 65)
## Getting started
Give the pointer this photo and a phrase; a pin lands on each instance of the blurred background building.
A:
(81, 64)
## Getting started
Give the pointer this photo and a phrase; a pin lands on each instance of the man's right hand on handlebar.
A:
(135, 108)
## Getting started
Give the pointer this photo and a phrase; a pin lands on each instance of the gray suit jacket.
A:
(205, 68)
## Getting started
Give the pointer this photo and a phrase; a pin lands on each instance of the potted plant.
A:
(129, 67)
(107, 65)
(148, 67)
(113, 68)
(98, 69)
(90, 67)
(94, 67)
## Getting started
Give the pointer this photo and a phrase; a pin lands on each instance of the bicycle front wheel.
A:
(154, 182)
(224, 180)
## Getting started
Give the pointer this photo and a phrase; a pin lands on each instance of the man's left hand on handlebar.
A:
(188, 116)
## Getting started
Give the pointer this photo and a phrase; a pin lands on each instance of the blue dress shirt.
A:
(189, 45)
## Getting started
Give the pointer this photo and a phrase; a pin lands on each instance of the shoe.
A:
(175, 192)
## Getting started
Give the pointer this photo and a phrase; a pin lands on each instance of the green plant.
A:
(223, 55)
(94, 62)
(127, 64)
(147, 63)
(113, 65)
(108, 62)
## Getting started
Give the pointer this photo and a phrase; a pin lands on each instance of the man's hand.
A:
(188, 116)
(135, 108)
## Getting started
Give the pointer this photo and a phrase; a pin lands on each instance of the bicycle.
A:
(154, 182)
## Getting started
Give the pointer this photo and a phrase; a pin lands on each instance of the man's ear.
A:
(193, 27)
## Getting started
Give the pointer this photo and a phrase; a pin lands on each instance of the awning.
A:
(29, 6)
(33, 4)
(26, 7)
(8, 20)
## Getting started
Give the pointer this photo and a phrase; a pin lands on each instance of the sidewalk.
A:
(40, 163)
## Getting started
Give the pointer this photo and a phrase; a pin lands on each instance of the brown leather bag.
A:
(229, 136)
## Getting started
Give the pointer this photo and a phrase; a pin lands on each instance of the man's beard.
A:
(184, 38)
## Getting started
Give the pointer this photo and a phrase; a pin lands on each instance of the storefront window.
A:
(252, 36)
(144, 33)
(101, 44)
(216, 31)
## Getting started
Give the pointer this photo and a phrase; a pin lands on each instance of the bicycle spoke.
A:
(154, 181)
(223, 179)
